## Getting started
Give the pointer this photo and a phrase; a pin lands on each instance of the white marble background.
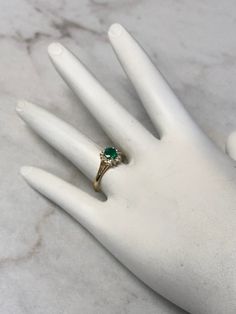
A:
(48, 263)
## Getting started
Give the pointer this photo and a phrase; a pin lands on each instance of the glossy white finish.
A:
(67, 140)
(230, 145)
(170, 213)
(98, 101)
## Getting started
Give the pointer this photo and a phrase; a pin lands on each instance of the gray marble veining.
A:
(48, 263)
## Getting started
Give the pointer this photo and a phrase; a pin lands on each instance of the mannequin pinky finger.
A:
(84, 208)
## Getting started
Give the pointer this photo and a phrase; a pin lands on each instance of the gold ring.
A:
(110, 157)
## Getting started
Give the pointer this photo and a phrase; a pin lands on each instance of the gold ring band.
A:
(110, 157)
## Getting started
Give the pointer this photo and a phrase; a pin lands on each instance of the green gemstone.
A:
(110, 153)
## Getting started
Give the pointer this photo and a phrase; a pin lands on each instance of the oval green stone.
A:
(110, 153)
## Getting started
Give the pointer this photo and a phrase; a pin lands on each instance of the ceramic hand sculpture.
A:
(170, 213)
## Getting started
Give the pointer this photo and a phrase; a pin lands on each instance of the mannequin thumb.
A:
(230, 147)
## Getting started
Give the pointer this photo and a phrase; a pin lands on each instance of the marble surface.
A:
(48, 263)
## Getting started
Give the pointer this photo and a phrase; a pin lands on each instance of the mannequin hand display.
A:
(170, 215)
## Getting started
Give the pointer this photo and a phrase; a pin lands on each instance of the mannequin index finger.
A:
(163, 107)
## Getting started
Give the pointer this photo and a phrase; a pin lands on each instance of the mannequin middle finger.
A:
(117, 122)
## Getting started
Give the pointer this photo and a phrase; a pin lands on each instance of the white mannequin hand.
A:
(170, 213)
(231, 145)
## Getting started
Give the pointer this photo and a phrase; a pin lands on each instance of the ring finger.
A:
(80, 150)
